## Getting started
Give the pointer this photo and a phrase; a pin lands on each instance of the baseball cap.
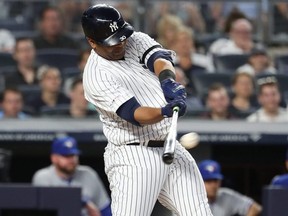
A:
(258, 51)
(65, 146)
(210, 169)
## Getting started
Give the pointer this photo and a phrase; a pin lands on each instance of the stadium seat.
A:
(29, 91)
(5, 159)
(70, 72)
(229, 63)
(281, 63)
(202, 82)
(15, 25)
(2, 83)
(60, 58)
(197, 113)
(6, 59)
(58, 110)
(61, 110)
(6, 70)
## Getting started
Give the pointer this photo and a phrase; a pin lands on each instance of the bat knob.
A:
(176, 109)
(167, 158)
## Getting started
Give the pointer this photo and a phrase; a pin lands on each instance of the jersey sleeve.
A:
(40, 179)
(105, 91)
(147, 46)
(241, 203)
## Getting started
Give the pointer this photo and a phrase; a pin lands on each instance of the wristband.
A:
(166, 74)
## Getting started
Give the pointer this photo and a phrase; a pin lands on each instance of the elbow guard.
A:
(159, 54)
(127, 109)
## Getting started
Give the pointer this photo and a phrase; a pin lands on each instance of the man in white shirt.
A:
(269, 97)
(239, 42)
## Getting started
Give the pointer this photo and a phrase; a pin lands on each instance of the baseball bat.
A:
(170, 142)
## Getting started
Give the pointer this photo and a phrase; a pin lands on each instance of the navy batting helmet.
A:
(105, 25)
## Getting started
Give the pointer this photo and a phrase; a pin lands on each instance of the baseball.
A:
(189, 140)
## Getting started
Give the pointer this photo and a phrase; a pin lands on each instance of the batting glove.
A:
(173, 90)
(167, 111)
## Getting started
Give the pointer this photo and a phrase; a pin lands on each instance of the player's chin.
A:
(118, 55)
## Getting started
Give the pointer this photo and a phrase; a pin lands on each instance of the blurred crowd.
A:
(228, 72)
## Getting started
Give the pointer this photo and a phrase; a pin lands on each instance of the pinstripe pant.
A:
(138, 177)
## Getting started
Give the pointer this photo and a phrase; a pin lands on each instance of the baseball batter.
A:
(130, 79)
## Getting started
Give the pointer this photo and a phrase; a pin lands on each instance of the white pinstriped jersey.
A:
(108, 84)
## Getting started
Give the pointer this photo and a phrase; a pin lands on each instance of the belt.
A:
(151, 143)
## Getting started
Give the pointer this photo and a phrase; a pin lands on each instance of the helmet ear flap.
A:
(105, 25)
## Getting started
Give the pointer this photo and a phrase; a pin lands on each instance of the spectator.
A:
(191, 15)
(167, 27)
(243, 100)
(220, 22)
(187, 58)
(188, 12)
(280, 18)
(52, 28)
(258, 62)
(239, 42)
(78, 107)
(50, 84)
(12, 104)
(282, 180)
(269, 98)
(225, 201)
(192, 101)
(24, 54)
(65, 170)
(250, 9)
(218, 102)
(72, 10)
(234, 15)
(7, 41)
(81, 64)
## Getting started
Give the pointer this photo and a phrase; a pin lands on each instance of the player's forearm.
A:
(148, 115)
(254, 210)
(162, 64)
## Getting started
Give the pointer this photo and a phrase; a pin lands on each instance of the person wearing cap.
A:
(269, 98)
(66, 171)
(281, 180)
(225, 201)
(258, 62)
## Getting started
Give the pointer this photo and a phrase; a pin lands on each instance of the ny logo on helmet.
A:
(113, 26)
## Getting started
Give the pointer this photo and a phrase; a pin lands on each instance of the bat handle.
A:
(170, 142)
